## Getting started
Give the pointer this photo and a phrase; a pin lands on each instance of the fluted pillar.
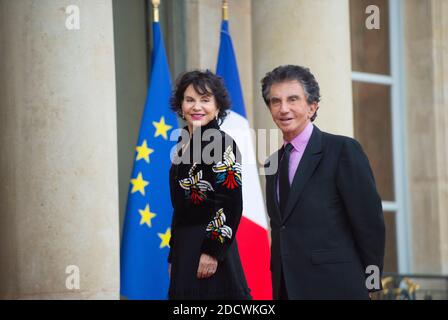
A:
(426, 62)
(58, 151)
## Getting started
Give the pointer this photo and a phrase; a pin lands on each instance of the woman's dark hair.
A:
(291, 73)
(204, 82)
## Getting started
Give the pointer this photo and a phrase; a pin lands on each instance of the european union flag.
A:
(146, 233)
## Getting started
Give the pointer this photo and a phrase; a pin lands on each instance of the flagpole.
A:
(155, 6)
(225, 10)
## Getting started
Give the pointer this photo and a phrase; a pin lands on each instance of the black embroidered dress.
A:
(207, 200)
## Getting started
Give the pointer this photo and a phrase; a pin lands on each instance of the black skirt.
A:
(228, 282)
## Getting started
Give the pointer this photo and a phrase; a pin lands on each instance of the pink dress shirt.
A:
(299, 144)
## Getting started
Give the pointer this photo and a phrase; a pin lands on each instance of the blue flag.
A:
(146, 232)
(227, 68)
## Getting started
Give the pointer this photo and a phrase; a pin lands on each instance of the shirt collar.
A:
(302, 138)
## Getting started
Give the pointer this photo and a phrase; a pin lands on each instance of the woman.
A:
(206, 194)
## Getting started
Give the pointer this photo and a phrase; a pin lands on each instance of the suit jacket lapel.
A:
(310, 159)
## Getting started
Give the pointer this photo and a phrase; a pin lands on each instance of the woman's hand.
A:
(207, 266)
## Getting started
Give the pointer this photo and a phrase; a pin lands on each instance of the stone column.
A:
(58, 151)
(426, 65)
(315, 34)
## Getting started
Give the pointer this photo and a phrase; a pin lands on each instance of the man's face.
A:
(289, 108)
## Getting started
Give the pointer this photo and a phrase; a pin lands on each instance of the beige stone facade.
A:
(70, 107)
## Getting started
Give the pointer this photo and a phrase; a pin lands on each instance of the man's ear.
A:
(313, 108)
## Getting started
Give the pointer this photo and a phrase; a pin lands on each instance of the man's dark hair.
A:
(290, 73)
(204, 82)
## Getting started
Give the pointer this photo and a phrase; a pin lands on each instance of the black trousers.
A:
(283, 291)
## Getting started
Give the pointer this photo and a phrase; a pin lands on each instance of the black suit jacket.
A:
(333, 226)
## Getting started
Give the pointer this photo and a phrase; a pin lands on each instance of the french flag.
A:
(252, 235)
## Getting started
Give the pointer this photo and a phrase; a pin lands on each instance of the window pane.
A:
(372, 124)
(370, 47)
(390, 257)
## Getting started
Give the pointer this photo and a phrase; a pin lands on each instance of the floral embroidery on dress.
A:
(216, 229)
(195, 188)
(229, 171)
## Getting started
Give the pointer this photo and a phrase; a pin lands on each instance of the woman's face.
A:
(197, 109)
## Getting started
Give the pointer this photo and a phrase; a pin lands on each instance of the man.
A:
(325, 212)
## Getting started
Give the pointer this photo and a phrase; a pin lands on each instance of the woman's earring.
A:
(182, 116)
(216, 117)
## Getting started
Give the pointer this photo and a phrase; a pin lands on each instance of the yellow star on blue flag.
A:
(143, 152)
(146, 216)
(161, 128)
(165, 237)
